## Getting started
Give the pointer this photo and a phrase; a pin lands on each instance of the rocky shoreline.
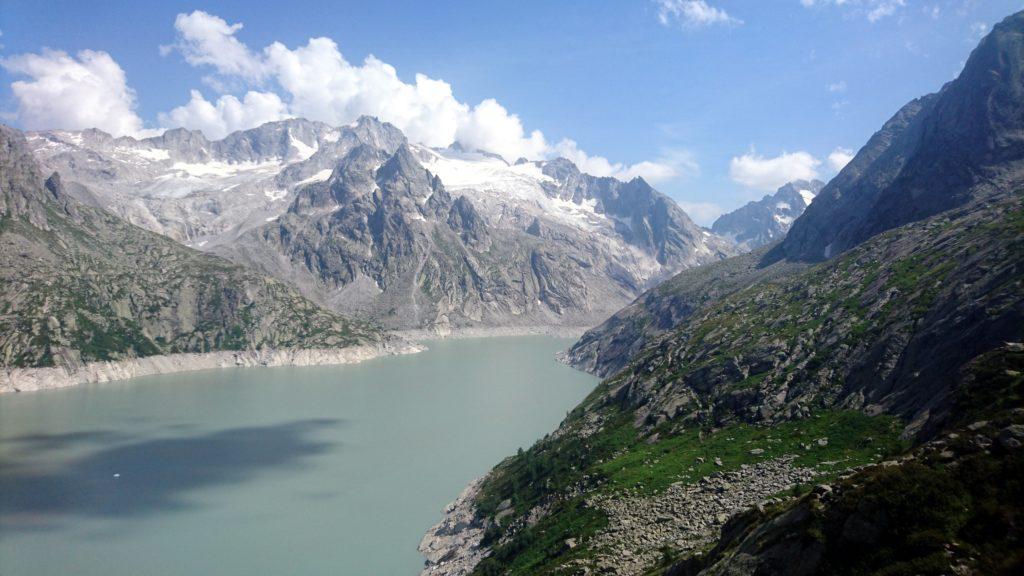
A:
(492, 332)
(35, 379)
(452, 546)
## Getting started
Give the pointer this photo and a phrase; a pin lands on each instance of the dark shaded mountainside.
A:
(80, 284)
(874, 352)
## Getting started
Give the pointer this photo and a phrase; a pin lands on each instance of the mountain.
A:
(366, 223)
(938, 152)
(802, 411)
(82, 285)
(767, 220)
(196, 191)
(523, 245)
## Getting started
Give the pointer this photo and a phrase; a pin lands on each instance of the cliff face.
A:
(81, 285)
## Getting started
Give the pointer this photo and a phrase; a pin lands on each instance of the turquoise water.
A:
(318, 470)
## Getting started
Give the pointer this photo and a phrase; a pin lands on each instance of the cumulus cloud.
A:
(227, 114)
(755, 171)
(670, 165)
(205, 39)
(87, 90)
(839, 158)
(692, 13)
(317, 82)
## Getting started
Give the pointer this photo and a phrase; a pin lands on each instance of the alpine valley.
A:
(825, 381)
(845, 401)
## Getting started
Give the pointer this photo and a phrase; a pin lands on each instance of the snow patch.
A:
(302, 150)
(318, 177)
(808, 196)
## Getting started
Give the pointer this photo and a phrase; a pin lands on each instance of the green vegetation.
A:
(848, 438)
(618, 458)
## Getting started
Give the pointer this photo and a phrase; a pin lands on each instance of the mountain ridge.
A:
(81, 286)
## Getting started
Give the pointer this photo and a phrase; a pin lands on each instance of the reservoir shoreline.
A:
(52, 378)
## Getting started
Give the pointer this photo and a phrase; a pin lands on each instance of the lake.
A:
(311, 470)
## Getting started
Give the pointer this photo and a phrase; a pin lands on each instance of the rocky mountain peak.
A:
(384, 135)
(767, 220)
(560, 169)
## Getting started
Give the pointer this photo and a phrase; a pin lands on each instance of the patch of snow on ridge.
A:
(219, 169)
(808, 196)
(783, 206)
(302, 150)
(275, 195)
(155, 154)
(318, 177)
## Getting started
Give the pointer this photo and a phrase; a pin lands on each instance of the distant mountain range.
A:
(365, 223)
(768, 219)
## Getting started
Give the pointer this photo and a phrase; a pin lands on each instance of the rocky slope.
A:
(522, 245)
(810, 371)
(767, 220)
(82, 285)
(327, 210)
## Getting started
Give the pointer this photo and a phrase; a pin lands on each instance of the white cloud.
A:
(839, 158)
(672, 164)
(837, 86)
(703, 213)
(692, 13)
(227, 114)
(317, 82)
(87, 90)
(873, 10)
(755, 171)
(207, 39)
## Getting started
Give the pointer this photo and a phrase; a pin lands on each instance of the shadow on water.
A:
(155, 475)
(46, 442)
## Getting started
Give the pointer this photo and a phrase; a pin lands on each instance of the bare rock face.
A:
(386, 237)
(365, 223)
(452, 546)
(81, 286)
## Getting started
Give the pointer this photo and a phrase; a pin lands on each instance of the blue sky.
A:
(713, 100)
